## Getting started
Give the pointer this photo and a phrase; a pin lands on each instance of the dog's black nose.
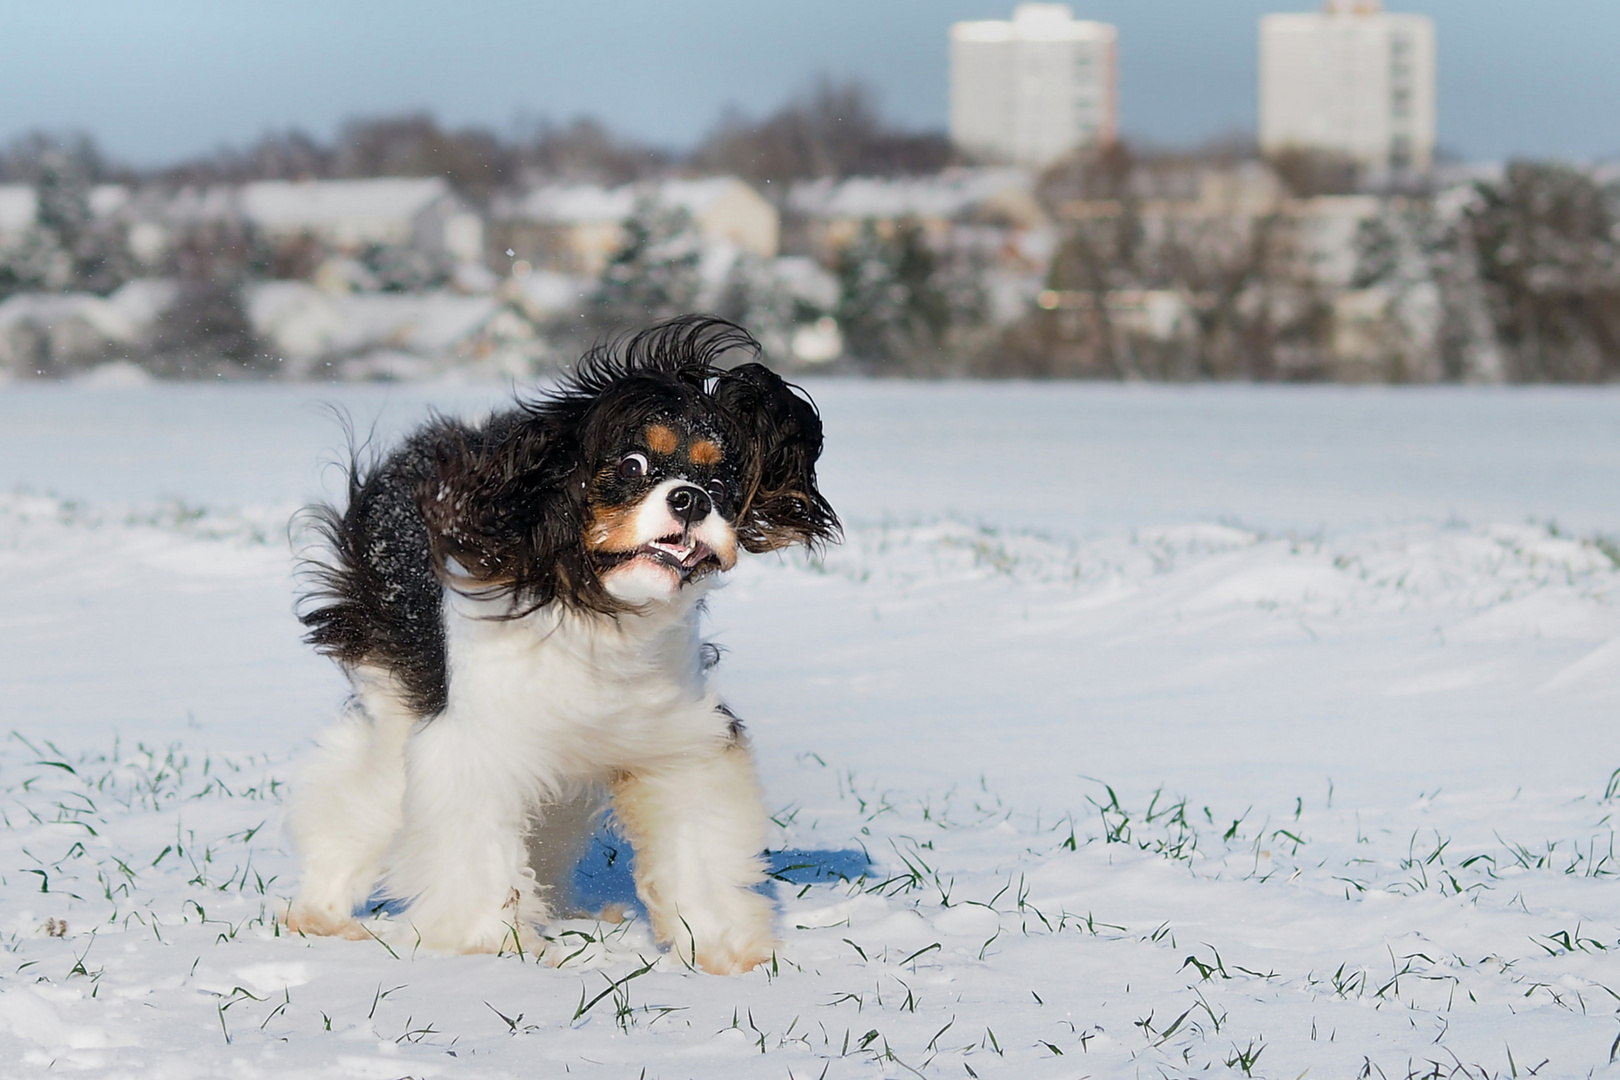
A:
(689, 504)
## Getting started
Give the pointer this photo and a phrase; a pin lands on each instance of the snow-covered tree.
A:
(900, 300)
(655, 273)
(400, 268)
(66, 249)
(35, 262)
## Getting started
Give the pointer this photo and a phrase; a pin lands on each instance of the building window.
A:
(1401, 103)
(1400, 152)
(1400, 59)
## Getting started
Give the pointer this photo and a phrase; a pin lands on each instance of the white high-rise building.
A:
(1031, 89)
(1351, 79)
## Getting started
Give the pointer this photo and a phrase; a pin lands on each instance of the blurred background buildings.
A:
(1032, 241)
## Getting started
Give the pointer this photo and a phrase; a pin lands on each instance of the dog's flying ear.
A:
(503, 513)
(782, 505)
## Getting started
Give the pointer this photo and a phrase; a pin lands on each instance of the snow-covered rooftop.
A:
(107, 199)
(947, 195)
(588, 204)
(296, 203)
(1034, 22)
(191, 205)
(571, 204)
(697, 195)
(303, 321)
(17, 207)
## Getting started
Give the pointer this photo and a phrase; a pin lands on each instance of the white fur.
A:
(347, 809)
(438, 811)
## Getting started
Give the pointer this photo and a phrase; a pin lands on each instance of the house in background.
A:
(993, 210)
(312, 220)
(727, 211)
(347, 216)
(577, 228)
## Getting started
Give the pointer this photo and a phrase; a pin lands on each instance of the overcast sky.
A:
(157, 80)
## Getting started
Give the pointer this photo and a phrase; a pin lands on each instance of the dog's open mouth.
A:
(686, 555)
(677, 552)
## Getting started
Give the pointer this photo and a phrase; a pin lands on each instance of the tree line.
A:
(831, 129)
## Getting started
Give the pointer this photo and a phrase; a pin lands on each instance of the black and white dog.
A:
(516, 604)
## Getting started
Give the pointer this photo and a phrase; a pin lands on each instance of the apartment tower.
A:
(1351, 79)
(1031, 89)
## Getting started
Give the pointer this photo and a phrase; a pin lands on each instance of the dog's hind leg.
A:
(699, 832)
(345, 808)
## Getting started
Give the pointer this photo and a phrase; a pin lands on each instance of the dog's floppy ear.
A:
(503, 512)
(782, 505)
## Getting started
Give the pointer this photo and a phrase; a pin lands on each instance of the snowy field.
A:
(1211, 731)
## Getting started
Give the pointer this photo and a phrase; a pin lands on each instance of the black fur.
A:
(499, 509)
(783, 505)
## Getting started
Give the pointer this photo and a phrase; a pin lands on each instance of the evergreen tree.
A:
(754, 297)
(35, 263)
(207, 331)
(400, 268)
(654, 275)
(894, 307)
(63, 194)
(67, 249)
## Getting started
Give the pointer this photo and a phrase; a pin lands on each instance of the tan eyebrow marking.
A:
(704, 452)
(662, 440)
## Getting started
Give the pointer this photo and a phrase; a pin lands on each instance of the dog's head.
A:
(642, 475)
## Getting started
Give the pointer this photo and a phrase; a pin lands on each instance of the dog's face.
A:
(663, 501)
(642, 475)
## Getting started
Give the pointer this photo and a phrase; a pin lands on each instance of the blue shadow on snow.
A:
(605, 875)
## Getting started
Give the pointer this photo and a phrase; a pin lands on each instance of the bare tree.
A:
(835, 129)
(283, 155)
(585, 150)
(1549, 259)
(1308, 172)
(476, 161)
(1243, 299)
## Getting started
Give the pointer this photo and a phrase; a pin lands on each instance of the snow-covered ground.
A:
(1187, 731)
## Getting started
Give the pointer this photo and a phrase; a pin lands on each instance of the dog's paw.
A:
(729, 959)
(486, 936)
(306, 919)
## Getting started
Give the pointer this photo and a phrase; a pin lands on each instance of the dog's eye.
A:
(718, 491)
(633, 465)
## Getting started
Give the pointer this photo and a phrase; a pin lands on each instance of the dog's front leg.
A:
(698, 829)
(460, 858)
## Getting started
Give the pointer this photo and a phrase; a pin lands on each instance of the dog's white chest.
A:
(602, 692)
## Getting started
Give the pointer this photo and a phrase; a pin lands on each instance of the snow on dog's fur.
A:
(516, 605)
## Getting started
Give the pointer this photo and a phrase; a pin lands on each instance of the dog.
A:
(515, 604)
